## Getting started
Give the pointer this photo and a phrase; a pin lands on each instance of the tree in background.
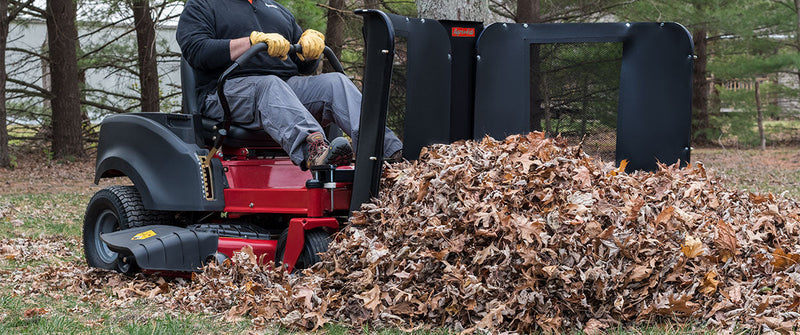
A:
(146, 46)
(334, 34)
(754, 67)
(464, 10)
(6, 16)
(62, 43)
(5, 158)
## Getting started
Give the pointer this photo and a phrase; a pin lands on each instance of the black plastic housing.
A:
(159, 153)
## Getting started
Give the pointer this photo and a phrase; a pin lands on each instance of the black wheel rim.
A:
(106, 222)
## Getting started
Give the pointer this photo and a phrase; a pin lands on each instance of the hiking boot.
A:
(340, 152)
(317, 149)
(396, 157)
(320, 152)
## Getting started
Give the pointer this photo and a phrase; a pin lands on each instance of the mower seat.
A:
(238, 137)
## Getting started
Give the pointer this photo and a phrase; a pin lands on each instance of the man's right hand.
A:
(278, 45)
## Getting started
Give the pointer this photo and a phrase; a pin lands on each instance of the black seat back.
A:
(189, 88)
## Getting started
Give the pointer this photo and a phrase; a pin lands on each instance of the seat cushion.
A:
(238, 137)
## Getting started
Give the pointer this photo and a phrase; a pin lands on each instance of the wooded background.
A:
(745, 77)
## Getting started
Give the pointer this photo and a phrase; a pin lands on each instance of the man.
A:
(268, 92)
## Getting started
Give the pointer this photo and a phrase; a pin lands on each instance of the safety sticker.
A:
(143, 235)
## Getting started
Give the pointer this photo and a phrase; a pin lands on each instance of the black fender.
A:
(159, 153)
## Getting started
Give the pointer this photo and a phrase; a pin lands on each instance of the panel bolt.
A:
(628, 25)
(479, 58)
(251, 205)
(662, 24)
(525, 26)
(422, 20)
(373, 158)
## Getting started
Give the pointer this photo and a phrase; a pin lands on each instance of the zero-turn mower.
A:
(203, 189)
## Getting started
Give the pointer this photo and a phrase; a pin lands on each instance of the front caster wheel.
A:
(316, 242)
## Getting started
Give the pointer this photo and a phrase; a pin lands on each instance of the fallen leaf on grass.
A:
(29, 313)
(94, 323)
(594, 327)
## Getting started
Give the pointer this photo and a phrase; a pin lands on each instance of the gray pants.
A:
(291, 110)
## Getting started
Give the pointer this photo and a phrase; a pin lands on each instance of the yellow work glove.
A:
(278, 45)
(313, 42)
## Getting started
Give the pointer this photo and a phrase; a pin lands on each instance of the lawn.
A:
(775, 170)
(46, 288)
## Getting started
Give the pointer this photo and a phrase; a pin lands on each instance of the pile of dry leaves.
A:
(529, 233)
(525, 234)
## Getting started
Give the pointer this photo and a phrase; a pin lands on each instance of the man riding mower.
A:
(223, 175)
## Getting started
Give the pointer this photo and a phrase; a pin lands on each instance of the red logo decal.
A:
(463, 32)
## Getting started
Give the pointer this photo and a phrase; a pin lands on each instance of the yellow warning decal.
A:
(143, 235)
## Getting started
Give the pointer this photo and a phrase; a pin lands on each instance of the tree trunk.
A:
(334, 33)
(47, 84)
(700, 87)
(146, 45)
(528, 12)
(463, 10)
(5, 157)
(63, 37)
(760, 117)
(371, 4)
(797, 26)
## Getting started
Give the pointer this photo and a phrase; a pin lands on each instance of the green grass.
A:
(43, 214)
(71, 315)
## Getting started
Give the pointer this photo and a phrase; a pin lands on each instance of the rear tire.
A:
(316, 242)
(111, 209)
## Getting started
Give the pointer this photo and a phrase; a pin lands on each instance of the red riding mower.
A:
(203, 189)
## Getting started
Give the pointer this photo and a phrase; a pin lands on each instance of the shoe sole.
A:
(340, 153)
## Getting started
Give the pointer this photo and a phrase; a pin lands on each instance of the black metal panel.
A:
(427, 117)
(379, 46)
(163, 166)
(654, 118)
(463, 36)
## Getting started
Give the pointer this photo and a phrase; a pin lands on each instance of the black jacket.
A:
(206, 27)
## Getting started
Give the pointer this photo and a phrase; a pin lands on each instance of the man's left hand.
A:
(313, 43)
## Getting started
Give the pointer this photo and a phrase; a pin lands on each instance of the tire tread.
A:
(135, 213)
